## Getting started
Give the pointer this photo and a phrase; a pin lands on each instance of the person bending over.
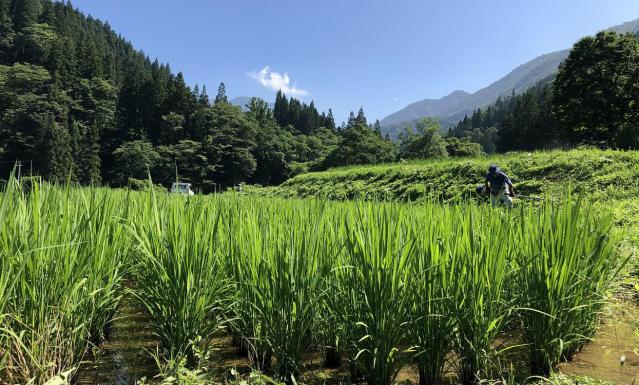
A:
(500, 187)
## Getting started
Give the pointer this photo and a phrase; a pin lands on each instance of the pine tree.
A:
(352, 122)
(476, 119)
(221, 94)
(377, 127)
(280, 109)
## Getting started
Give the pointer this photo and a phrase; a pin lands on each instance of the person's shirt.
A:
(497, 181)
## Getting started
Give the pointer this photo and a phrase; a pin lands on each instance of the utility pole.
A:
(19, 164)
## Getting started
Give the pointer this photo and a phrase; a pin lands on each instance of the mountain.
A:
(242, 101)
(454, 106)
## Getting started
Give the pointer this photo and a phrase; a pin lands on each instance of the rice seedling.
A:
(374, 290)
(180, 279)
(567, 263)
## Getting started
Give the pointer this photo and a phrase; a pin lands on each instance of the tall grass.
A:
(567, 263)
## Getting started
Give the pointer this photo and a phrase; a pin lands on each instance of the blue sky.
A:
(344, 54)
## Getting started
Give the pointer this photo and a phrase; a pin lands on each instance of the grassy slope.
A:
(611, 178)
(602, 174)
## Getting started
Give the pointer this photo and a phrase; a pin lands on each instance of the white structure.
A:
(182, 188)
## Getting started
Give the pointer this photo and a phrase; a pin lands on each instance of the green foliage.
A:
(603, 175)
(359, 144)
(221, 94)
(134, 160)
(463, 147)
(181, 283)
(423, 141)
(61, 279)
(597, 91)
(384, 284)
(228, 142)
(557, 251)
(515, 123)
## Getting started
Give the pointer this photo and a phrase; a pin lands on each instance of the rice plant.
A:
(374, 291)
(180, 279)
(433, 310)
(567, 263)
(480, 241)
(278, 277)
(377, 284)
(64, 250)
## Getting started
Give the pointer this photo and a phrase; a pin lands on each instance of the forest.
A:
(79, 103)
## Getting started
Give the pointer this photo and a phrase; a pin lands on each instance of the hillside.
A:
(454, 106)
(79, 102)
(603, 175)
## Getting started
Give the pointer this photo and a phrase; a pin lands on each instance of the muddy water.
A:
(601, 359)
(125, 357)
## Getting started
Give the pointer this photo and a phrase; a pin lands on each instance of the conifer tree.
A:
(330, 121)
(25, 13)
(56, 147)
(204, 98)
(377, 127)
(361, 118)
(221, 94)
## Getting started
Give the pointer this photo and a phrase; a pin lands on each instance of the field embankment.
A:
(600, 174)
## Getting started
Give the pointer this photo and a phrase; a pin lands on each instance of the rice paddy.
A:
(373, 287)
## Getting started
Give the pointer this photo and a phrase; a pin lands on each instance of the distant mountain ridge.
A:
(454, 106)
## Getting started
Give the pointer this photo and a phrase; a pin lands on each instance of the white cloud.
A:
(276, 81)
(395, 99)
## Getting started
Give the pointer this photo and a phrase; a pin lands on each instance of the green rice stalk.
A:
(373, 302)
(180, 279)
(480, 241)
(433, 310)
(567, 263)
